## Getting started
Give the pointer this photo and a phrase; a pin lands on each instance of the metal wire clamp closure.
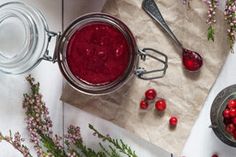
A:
(46, 55)
(142, 73)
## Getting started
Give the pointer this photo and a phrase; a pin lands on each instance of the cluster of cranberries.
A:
(160, 104)
(229, 115)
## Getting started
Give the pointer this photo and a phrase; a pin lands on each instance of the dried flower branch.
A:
(39, 123)
(48, 144)
(16, 142)
(118, 144)
(230, 17)
(211, 17)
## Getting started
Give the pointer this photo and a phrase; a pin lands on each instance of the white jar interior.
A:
(23, 37)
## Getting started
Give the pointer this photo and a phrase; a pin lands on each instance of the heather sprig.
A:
(230, 17)
(39, 123)
(118, 144)
(74, 142)
(211, 17)
(48, 144)
(17, 142)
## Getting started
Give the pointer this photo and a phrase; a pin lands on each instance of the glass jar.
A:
(25, 37)
(217, 119)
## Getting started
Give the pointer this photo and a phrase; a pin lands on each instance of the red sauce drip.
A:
(98, 53)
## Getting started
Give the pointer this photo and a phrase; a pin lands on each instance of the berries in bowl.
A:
(223, 116)
(229, 116)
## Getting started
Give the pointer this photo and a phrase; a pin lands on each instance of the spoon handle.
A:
(152, 10)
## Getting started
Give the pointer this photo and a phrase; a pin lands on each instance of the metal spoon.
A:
(192, 61)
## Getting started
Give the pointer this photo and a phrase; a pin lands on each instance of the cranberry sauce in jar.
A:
(98, 53)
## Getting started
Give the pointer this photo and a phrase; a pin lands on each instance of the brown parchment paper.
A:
(185, 92)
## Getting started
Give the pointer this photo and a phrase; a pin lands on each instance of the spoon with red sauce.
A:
(192, 60)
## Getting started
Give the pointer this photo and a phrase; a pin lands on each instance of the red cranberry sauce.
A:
(192, 61)
(98, 53)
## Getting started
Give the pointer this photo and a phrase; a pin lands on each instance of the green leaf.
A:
(88, 152)
(118, 144)
(51, 147)
(211, 33)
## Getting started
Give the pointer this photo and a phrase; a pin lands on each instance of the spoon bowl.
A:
(192, 61)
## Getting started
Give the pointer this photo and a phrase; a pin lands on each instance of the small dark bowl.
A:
(217, 119)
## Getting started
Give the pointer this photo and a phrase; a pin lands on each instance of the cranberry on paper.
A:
(143, 105)
(173, 121)
(150, 94)
(160, 105)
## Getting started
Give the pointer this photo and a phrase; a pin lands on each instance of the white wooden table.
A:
(58, 13)
(12, 87)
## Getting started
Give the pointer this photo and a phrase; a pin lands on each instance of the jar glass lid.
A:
(22, 37)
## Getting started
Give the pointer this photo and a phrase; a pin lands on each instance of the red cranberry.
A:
(232, 112)
(226, 113)
(234, 134)
(234, 120)
(150, 94)
(230, 128)
(214, 155)
(227, 121)
(173, 121)
(160, 105)
(143, 105)
(232, 104)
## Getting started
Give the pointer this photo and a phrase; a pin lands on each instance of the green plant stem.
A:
(51, 147)
(9, 140)
(88, 152)
(118, 144)
(211, 33)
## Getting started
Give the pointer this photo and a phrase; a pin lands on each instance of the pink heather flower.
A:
(73, 134)
(16, 142)
(72, 154)
(38, 120)
(230, 13)
(212, 5)
(58, 141)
